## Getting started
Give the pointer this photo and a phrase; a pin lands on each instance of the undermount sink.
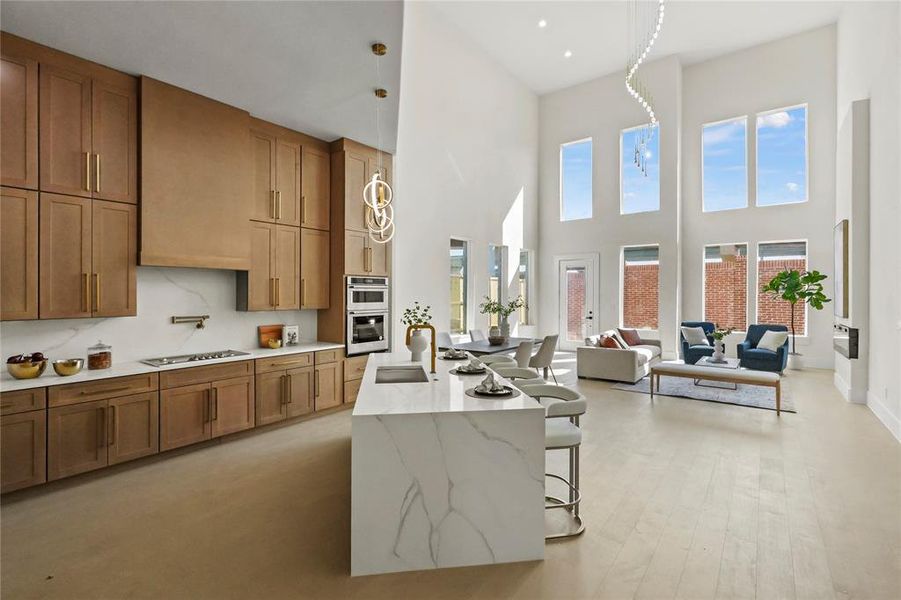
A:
(401, 374)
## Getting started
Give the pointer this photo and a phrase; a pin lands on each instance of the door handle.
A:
(97, 183)
(272, 203)
(290, 389)
(87, 171)
(214, 415)
(303, 209)
(97, 290)
(278, 205)
(303, 295)
(272, 291)
(316, 383)
(276, 291)
(113, 417)
(101, 433)
(208, 408)
(87, 292)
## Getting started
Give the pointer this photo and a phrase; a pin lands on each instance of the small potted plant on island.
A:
(795, 286)
(719, 347)
(499, 334)
(415, 317)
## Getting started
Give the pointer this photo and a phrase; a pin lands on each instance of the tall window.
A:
(782, 156)
(725, 165)
(772, 258)
(639, 192)
(641, 272)
(575, 180)
(496, 276)
(726, 285)
(459, 285)
(525, 276)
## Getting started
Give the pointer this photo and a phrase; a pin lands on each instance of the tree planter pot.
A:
(795, 361)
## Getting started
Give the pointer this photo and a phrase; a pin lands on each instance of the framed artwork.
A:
(291, 335)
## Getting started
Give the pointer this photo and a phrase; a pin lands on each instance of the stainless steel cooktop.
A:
(185, 358)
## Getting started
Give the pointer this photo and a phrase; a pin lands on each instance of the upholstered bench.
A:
(761, 378)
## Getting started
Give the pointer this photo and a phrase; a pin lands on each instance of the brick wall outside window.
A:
(641, 303)
(575, 304)
(726, 292)
(776, 311)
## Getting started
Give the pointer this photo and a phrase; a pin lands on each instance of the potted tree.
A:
(795, 287)
(503, 311)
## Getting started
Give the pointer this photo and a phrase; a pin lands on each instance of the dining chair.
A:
(524, 353)
(444, 340)
(492, 359)
(518, 376)
(544, 358)
(477, 335)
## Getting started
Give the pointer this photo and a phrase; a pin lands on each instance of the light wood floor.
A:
(683, 499)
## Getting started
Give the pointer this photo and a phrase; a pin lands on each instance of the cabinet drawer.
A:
(182, 377)
(62, 395)
(351, 389)
(24, 400)
(354, 367)
(329, 356)
(280, 363)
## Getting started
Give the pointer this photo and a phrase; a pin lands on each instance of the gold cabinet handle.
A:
(278, 205)
(214, 416)
(271, 291)
(272, 203)
(101, 430)
(303, 209)
(97, 183)
(113, 419)
(97, 291)
(281, 390)
(87, 292)
(87, 171)
(303, 295)
(276, 292)
(316, 383)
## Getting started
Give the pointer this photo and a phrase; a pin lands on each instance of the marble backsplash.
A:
(162, 293)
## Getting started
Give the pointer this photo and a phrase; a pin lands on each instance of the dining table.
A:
(485, 347)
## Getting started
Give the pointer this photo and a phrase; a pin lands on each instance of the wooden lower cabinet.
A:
(233, 406)
(134, 427)
(77, 439)
(23, 450)
(270, 397)
(328, 388)
(185, 415)
(351, 389)
(300, 391)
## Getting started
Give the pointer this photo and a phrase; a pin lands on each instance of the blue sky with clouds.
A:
(725, 165)
(576, 185)
(640, 193)
(781, 157)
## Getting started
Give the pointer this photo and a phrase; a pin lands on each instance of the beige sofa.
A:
(627, 365)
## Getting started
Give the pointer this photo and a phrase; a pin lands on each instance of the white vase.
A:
(418, 344)
(719, 352)
(795, 361)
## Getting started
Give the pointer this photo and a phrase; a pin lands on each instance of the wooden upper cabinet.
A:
(233, 406)
(114, 259)
(65, 256)
(65, 131)
(18, 254)
(287, 267)
(262, 157)
(23, 450)
(314, 268)
(19, 122)
(256, 286)
(114, 133)
(356, 176)
(379, 258)
(195, 180)
(287, 178)
(315, 173)
(356, 253)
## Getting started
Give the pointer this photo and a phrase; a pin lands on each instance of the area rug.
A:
(752, 396)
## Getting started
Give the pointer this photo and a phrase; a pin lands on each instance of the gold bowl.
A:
(26, 370)
(68, 366)
(274, 343)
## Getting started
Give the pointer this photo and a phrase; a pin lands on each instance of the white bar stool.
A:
(519, 376)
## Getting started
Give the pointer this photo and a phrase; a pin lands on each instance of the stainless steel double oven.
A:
(368, 314)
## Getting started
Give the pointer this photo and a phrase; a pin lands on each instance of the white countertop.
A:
(10, 384)
(444, 393)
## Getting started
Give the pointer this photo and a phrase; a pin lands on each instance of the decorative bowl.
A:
(274, 343)
(496, 341)
(26, 370)
(68, 366)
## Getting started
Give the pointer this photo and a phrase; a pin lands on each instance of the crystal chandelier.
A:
(377, 194)
(643, 29)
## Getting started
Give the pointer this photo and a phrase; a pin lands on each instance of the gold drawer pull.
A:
(87, 292)
(105, 391)
(87, 171)
(97, 183)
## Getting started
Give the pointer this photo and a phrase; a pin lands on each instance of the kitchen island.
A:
(442, 479)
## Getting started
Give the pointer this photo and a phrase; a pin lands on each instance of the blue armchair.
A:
(759, 359)
(691, 354)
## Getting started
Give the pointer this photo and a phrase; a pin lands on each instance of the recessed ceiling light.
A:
(567, 54)
(542, 23)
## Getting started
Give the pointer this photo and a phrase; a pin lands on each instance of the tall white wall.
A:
(794, 70)
(601, 109)
(466, 165)
(869, 66)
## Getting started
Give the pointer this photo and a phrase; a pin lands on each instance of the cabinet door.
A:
(261, 276)
(287, 268)
(65, 242)
(262, 154)
(23, 450)
(287, 182)
(114, 135)
(315, 172)
(314, 268)
(328, 385)
(300, 391)
(356, 257)
(77, 439)
(65, 132)
(351, 390)
(18, 254)
(19, 122)
(379, 258)
(271, 395)
(356, 176)
(233, 405)
(134, 427)
(114, 258)
(184, 416)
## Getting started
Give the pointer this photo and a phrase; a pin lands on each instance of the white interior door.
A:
(577, 308)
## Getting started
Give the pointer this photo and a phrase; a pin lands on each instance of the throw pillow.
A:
(695, 336)
(771, 340)
(608, 341)
(630, 336)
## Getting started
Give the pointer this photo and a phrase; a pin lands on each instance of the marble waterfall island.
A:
(441, 479)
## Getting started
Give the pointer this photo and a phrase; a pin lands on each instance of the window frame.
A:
(502, 278)
(589, 139)
(759, 284)
(640, 212)
(622, 283)
(747, 168)
(530, 257)
(747, 246)
(467, 285)
(806, 107)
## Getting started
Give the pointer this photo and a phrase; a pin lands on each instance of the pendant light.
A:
(377, 194)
